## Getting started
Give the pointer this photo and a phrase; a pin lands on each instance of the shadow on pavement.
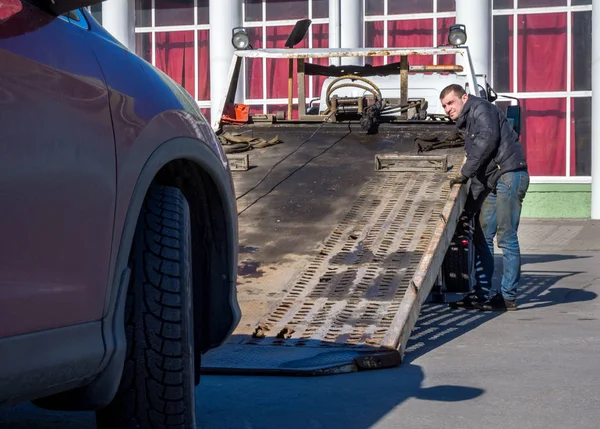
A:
(438, 324)
(355, 401)
(527, 259)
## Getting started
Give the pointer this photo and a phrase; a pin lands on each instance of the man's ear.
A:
(465, 97)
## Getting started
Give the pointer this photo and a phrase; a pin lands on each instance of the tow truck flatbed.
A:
(341, 244)
(336, 258)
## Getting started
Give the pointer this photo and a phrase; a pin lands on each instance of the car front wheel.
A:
(157, 386)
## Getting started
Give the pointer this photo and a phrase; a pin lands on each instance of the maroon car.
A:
(118, 225)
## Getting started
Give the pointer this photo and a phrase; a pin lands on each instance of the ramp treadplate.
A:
(347, 309)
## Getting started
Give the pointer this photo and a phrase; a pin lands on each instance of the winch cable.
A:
(294, 171)
(285, 157)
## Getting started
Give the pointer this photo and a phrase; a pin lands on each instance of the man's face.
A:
(453, 104)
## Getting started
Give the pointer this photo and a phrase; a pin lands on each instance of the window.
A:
(410, 6)
(176, 40)
(143, 13)
(411, 32)
(269, 24)
(253, 9)
(548, 67)
(503, 4)
(541, 53)
(174, 12)
(502, 36)
(581, 136)
(446, 5)
(143, 46)
(544, 136)
(541, 3)
(96, 11)
(286, 9)
(374, 7)
(582, 51)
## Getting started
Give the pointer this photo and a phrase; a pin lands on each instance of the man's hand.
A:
(458, 179)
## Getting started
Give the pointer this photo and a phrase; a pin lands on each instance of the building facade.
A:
(541, 53)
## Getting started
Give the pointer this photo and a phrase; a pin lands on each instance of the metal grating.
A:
(350, 292)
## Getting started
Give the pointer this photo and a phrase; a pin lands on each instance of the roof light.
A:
(240, 39)
(457, 35)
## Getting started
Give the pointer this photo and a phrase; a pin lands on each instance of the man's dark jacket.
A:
(491, 144)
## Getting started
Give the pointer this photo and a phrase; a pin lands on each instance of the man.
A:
(499, 181)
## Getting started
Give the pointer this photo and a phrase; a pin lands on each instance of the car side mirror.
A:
(491, 94)
(513, 116)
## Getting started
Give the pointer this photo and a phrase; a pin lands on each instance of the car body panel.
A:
(57, 178)
(134, 120)
(144, 120)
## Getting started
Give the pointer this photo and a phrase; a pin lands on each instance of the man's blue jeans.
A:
(499, 216)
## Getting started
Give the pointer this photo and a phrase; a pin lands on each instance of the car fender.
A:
(135, 178)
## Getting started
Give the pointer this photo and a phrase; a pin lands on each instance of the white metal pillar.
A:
(118, 18)
(476, 16)
(595, 111)
(351, 28)
(334, 28)
(224, 16)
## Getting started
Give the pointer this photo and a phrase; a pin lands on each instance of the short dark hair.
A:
(457, 89)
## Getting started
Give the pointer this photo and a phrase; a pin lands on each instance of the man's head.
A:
(453, 98)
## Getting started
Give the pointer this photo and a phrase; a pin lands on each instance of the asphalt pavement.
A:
(534, 368)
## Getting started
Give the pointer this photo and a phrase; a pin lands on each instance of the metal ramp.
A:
(354, 305)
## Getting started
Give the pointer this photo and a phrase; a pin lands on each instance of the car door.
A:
(57, 173)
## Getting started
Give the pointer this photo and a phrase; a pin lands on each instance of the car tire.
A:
(157, 385)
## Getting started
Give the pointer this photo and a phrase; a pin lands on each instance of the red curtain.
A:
(203, 65)
(544, 135)
(255, 109)
(443, 28)
(254, 66)
(374, 39)
(320, 40)
(277, 69)
(541, 66)
(542, 52)
(411, 33)
(175, 56)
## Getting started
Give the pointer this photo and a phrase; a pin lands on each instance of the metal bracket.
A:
(239, 162)
(268, 118)
(396, 162)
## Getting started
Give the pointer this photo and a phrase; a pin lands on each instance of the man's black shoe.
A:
(497, 303)
(469, 301)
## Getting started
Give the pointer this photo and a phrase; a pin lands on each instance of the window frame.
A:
(568, 94)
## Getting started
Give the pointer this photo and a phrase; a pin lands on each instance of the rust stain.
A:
(335, 53)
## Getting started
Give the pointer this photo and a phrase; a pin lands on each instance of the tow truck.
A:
(348, 224)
